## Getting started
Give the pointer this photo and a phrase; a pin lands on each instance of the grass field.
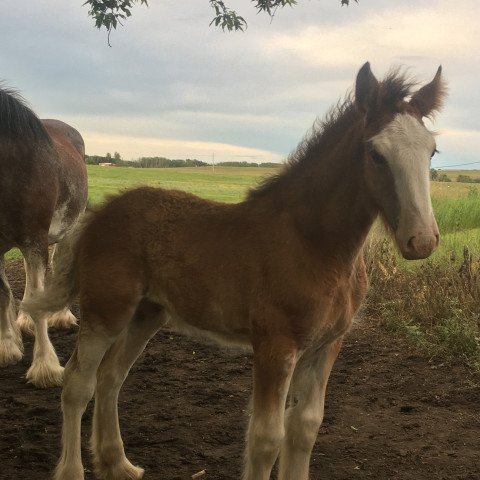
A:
(224, 184)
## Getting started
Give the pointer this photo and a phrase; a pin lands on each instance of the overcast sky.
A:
(173, 86)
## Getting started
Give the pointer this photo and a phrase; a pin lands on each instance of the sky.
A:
(172, 86)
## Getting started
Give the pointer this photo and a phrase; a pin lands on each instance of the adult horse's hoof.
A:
(45, 372)
(25, 323)
(10, 351)
(63, 319)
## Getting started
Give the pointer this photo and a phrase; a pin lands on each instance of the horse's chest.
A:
(336, 306)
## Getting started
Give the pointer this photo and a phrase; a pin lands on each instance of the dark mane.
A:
(17, 120)
(395, 87)
(326, 133)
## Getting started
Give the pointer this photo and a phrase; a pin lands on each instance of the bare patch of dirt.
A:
(390, 412)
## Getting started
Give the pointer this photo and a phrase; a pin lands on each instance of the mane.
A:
(327, 133)
(17, 120)
(395, 88)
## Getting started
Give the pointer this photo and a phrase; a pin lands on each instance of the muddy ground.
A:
(390, 412)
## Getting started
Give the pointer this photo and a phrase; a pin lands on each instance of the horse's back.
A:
(61, 131)
(72, 176)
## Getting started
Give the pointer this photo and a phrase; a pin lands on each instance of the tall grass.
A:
(436, 304)
(458, 214)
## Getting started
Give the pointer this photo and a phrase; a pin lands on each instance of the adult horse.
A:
(282, 271)
(43, 190)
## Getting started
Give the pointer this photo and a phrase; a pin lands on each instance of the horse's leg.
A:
(303, 419)
(45, 370)
(78, 389)
(274, 363)
(10, 337)
(35, 262)
(110, 461)
(64, 318)
(106, 312)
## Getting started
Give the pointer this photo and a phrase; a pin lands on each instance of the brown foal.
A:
(282, 271)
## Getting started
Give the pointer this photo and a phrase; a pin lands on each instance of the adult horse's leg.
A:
(45, 370)
(274, 363)
(10, 337)
(107, 446)
(303, 419)
(64, 318)
(35, 261)
(78, 389)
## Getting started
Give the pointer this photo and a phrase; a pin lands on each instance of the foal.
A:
(282, 271)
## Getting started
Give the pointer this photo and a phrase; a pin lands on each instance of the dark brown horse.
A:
(43, 190)
(282, 271)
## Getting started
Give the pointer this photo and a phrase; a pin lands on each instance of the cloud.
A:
(169, 76)
(135, 147)
(402, 33)
(458, 147)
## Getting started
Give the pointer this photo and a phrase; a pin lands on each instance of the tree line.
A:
(162, 162)
(438, 176)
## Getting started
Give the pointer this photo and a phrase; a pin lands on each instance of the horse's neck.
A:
(329, 200)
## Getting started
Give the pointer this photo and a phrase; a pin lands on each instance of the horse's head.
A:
(398, 149)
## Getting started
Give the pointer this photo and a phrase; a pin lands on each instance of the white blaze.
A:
(407, 145)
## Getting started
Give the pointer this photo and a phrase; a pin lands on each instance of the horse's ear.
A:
(366, 89)
(429, 98)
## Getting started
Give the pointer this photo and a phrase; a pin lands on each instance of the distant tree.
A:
(117, 158)
(444, 178)
(162, 162)
(270, 165)
(433, 174)
(110, 13)
(108, 157)
(464, 179)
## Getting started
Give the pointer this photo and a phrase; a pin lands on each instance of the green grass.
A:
(457, 214)
(224, 184)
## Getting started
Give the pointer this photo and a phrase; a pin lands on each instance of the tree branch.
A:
(110, 13)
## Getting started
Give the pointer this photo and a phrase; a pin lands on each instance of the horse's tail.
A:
(62, 285)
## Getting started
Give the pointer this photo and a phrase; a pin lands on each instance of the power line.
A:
(458, 165)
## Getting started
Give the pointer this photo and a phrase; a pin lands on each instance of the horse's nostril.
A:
(410, 245)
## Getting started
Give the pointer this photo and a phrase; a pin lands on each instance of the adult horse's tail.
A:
(61, 286)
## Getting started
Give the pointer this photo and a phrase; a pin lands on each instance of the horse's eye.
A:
(377, 158)
(434, 152)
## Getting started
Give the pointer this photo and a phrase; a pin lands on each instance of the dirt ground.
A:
(390, 412)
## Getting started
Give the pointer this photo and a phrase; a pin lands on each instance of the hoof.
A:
(45, 373)
(123, 470)
(69, 472)
(25, 323)
(63, 319)
(10, 351)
